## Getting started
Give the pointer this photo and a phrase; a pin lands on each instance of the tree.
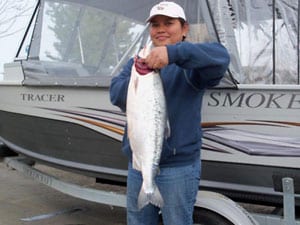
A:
(10, 12)
(92, 37)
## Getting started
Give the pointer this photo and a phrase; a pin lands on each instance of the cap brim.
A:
(161, 14)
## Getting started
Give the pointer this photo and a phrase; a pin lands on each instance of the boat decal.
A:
(104, 121)
(104, 118)
(105, 110)
(253, 143)
(252, 122)
(297, 124)
(99, 124)
(210, 147)
(217, 136)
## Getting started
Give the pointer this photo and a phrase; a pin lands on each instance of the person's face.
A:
(165, 30)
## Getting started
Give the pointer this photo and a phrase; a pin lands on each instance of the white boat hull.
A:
(248, 137)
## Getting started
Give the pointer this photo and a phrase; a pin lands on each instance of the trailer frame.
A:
(214, 202)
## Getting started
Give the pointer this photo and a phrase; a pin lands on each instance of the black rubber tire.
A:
(5, 151)
(207, 217)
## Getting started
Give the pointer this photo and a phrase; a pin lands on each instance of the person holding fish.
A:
(161, 92)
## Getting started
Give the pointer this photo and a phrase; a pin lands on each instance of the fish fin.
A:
(136, 83)
(136, 163)
(154, 198)
(167, 130)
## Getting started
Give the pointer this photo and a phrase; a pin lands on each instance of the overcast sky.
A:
(10, 44)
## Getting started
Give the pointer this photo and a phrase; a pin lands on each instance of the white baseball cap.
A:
(165, 8)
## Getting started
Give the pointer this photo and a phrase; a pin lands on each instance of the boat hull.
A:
(78, 129)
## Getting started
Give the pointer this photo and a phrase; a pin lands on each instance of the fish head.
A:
(141, 67)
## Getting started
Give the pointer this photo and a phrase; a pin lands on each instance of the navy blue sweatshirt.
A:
(192, 68)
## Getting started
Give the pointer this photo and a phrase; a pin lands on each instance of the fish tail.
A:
(154, 198)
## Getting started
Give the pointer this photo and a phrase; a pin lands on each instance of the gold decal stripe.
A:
(213, 124)
(262, 122)
(98, 124)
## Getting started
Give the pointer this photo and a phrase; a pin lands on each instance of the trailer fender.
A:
(225, 207)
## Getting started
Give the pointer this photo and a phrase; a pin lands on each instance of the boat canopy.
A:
(87, 42)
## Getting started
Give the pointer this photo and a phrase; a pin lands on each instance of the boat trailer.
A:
(215, 202)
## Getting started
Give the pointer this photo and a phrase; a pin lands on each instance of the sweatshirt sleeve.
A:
(119, 86)
(205, 63)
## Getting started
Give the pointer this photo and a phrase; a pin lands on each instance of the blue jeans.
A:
(178, 187)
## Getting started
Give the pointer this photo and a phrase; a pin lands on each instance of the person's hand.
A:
(141, 67)
(157, 58)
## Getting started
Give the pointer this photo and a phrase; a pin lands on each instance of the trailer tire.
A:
(207, 217)
(5, 151)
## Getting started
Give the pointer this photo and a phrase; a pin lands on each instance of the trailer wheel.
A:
(207, 217)
(5, 151)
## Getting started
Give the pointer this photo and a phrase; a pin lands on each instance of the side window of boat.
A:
(261, 36)
(78, 45)
(267, 40)
(86, 44)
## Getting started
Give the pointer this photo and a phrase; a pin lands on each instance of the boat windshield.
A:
(86, 42)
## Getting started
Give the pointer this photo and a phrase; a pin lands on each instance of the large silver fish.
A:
(147, 127)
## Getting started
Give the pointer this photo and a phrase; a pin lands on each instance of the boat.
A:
(56, 108)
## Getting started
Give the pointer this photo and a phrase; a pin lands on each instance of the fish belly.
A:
(146, 121)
